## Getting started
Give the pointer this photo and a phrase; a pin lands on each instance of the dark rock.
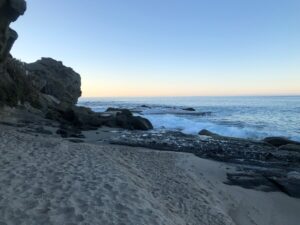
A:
(124, 118)
(86, 118)
(15, 88)
(10, 10)
(140, 123)
(52, 78)
(125, 112)
(145, 106)
(189, 109)
(70, 116)
(288, 186)
(205, 132)
(260, 165)
(290, 147)
(279, 141)
(12, 86)
(266, 180)
(48, 88)
(217, 148)
(251, 181)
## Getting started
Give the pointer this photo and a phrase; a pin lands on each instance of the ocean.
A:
(245, 117)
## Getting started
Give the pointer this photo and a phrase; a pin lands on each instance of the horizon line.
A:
(191, 96)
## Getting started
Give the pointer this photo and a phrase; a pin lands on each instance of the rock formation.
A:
(52, 78)
(48, 88)
(10, 10)
(280, 141)
(12, 85)
(125, 119)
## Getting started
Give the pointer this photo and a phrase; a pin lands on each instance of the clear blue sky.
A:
(168, 47)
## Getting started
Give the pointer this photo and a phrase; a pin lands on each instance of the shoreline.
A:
(244, 118)
(261, 165)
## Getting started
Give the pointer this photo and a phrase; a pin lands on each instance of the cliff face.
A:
(47, 87)
(12, 83)
(42, 83)
(10, 10)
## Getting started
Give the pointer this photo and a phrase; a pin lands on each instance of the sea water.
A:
(246, 117)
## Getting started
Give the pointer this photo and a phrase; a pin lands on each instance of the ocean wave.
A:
(188, 126)
(245, 117)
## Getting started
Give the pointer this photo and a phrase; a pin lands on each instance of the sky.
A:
(168, 47)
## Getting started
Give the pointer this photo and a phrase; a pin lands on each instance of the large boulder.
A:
(87, 119)
(125, 119)
(52, 78)
(208, 133)
(140, 123)
(279, 141)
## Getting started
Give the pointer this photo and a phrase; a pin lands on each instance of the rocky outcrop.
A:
(10, 10)
(260, 166)
(15, 87)
(208, 133)
(47, 87)
(279, 141)
(50, 88)
(51, 77)
(11, 80)
(125, 119)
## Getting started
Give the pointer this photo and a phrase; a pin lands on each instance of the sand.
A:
(48, 180)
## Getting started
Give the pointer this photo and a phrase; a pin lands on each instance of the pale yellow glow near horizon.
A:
(107, 88)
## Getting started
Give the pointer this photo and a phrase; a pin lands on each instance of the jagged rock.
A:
(10, 10)
(51, 77)
(12, 82)
(18, 6)
(189, 109)
(279, 141)
(47, 87)
(15, 88)
(205, 132)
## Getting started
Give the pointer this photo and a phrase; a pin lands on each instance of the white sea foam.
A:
(245, 117)
(188, 126)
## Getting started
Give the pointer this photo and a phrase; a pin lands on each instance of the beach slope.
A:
(48, 180)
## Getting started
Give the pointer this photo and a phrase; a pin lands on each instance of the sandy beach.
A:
(149, 113)
(48, 180)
